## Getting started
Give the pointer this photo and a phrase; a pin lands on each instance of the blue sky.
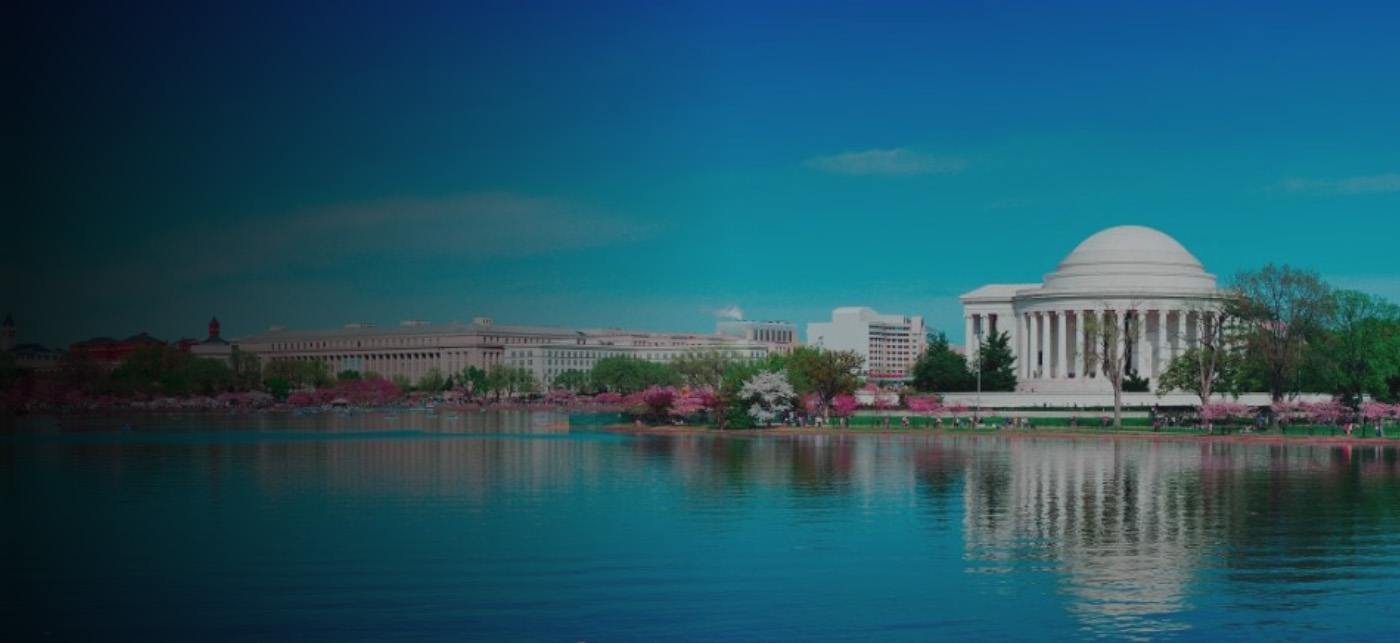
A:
(638, 165)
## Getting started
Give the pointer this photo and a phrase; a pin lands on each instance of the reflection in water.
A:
(1117, 522)
(528, 524)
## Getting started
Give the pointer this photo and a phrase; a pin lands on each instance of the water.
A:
(527, 526)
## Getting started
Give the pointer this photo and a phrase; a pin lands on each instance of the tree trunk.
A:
(1118, 406)
(1275, 397)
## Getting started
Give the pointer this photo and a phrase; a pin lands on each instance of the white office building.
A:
(890, 344)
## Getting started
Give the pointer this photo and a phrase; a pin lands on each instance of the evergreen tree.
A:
(942, 369)
(997, 363)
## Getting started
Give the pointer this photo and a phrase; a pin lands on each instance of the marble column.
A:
(969, 341)
(1143, 352)
(1024, 359)
(1040, 346)
(1193, 329)
(1162, 359)
(1062, 350)
(1082, 357)
(1120, 321)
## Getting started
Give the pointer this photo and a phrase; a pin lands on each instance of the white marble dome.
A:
(1130, 258)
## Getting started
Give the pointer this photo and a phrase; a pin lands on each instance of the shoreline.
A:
(1054, 433)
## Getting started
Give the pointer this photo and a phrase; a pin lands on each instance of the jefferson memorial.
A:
(1130, 275)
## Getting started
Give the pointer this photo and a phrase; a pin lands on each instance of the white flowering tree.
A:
(770, 396)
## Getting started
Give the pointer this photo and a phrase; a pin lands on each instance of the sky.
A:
(644, 164)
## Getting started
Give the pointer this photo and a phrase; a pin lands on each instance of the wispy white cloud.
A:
(732, 311)
(472, 227)
(1373, 184)
(891, 162)
(317, 244)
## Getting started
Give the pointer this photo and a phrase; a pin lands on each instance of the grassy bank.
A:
(1298, 433)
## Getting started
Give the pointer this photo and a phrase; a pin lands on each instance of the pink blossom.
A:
(1215, 411)
(658, 399)
(924, 404)
(1329, 412)
(1376, 411)
(1288, 411)
(559, 396)
(690, 402)
(844, 405)
(301, 398)
(608, 397)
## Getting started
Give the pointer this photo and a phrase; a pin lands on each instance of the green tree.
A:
(729, 411)
(1200, 371)
(348, 375)
(245, 369)
(1350, 355)
(154, 370)
(506, 381)
(209, 376)
(475, 380)
(997, 363)
(1387, 358)
(940, 368)
(627, 374)
(298, 373)
(825, 373)
(573, 379)
(431, 381)
(702, 367)
(277, 387)
(1280, 309)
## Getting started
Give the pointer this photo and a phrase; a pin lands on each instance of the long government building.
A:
(413, 348)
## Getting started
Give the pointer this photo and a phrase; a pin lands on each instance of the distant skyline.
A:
(640, 165)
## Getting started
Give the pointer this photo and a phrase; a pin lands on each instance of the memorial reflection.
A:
(1130, 526)
(1133, 534)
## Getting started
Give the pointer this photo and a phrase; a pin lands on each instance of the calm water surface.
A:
(532, 526)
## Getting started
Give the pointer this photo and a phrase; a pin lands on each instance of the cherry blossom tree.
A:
(1378, 412)
(844, 405)
(690, 402)
(769, 395)
(608, 397)
(1213, 412)
(1330, 412)
(653, 402)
